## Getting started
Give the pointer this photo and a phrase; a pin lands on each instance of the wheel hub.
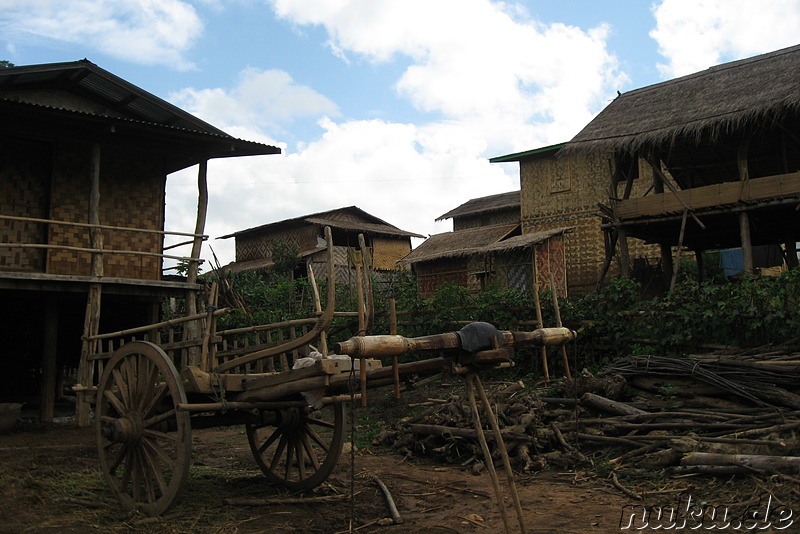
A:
(123, 430)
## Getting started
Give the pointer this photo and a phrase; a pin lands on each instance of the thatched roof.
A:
(707, 103)
(477, 206)
(480, 240)
(335, 219)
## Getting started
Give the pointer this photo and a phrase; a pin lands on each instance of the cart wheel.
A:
(144, 442)
(302, 451)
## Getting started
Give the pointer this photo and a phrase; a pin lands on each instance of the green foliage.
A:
(285, 256)
(4, 64)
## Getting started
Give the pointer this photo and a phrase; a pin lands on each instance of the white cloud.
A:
(143, 31)
(696, 34)
(262, 100)
(492, 81)
(477, 62)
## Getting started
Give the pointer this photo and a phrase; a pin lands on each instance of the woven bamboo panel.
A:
(432, 274)
(131, 195)
(464, 222)
(564, 192)
(258, 246)
(24, 183)
(551, 265)
(387, 252)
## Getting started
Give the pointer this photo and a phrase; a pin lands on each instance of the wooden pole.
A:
(538, 304)
(323, 336)
(487, 455)
(393, 332)
(677, 264)
(193, 328)
(559, 325)
(49, 359)
(501, 445)
(91, 323)
(744, 218)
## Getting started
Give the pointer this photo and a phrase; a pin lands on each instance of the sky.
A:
(393, 106)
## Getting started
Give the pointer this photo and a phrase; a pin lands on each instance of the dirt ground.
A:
(49, 482)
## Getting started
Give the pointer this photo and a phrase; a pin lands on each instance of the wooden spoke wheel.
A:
(303, 449)
(144, 442)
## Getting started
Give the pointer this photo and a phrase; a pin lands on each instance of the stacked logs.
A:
(714, 414)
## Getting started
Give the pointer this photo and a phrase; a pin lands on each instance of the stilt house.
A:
(719, 152)
(84, 158)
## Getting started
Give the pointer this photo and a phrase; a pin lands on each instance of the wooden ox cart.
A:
(149, 396)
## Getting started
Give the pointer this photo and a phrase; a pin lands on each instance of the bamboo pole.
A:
(323, 336)
(744, 218)
(393, 332)
(193, 328)
(498, 437)
(539, 319)
(677, 264)
(559, 325)
(487, 455)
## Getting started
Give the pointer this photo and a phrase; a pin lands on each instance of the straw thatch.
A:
(699, 106)
(481, 240)
(477, 206)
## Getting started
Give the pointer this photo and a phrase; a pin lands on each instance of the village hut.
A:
(719, 152)
(84, 159)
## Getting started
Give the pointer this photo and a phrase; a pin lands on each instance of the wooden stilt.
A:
(744, 218)
(91, 324)
(193, 328)
(49, 359)
(538, 304)
(677, 264)
(557, 310)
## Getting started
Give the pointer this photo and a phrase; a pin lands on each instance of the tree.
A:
(4, 64)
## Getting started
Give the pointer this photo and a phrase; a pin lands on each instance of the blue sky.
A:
(394, 106)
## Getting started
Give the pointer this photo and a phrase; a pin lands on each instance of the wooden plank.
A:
(320, 368)
(754, 190)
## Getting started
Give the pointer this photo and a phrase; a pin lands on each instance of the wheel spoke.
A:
(149, 432)
(312, 455)
(137, 477)
(146, 382)
(124, 451)
(155, 469)
(287, 467)
(320, 422)
(316, 437)
(159, 395)
(159, 453)
(122, 387)
(270, 440)
(278, 452)
(301, 459)
(115, 401)
(159, 418)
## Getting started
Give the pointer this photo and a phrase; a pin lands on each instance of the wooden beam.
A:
(193, 328)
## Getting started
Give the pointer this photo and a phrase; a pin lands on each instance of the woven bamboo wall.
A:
(24, 190)
(387, 252)
(258, 245)
(463, 222)
(131, 194)
(565, 192)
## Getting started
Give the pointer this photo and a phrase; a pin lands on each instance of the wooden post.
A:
(791, 253)
(559, 324)
(677, 266)
(538, 304)
(744, 218)
(193, 328)
(49, 359)
(393, 332)
(698, 258)
(91, 323)
(666, 263)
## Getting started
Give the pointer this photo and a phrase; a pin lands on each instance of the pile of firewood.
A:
(713, 413)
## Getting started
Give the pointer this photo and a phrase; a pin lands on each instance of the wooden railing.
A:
(101, 251)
